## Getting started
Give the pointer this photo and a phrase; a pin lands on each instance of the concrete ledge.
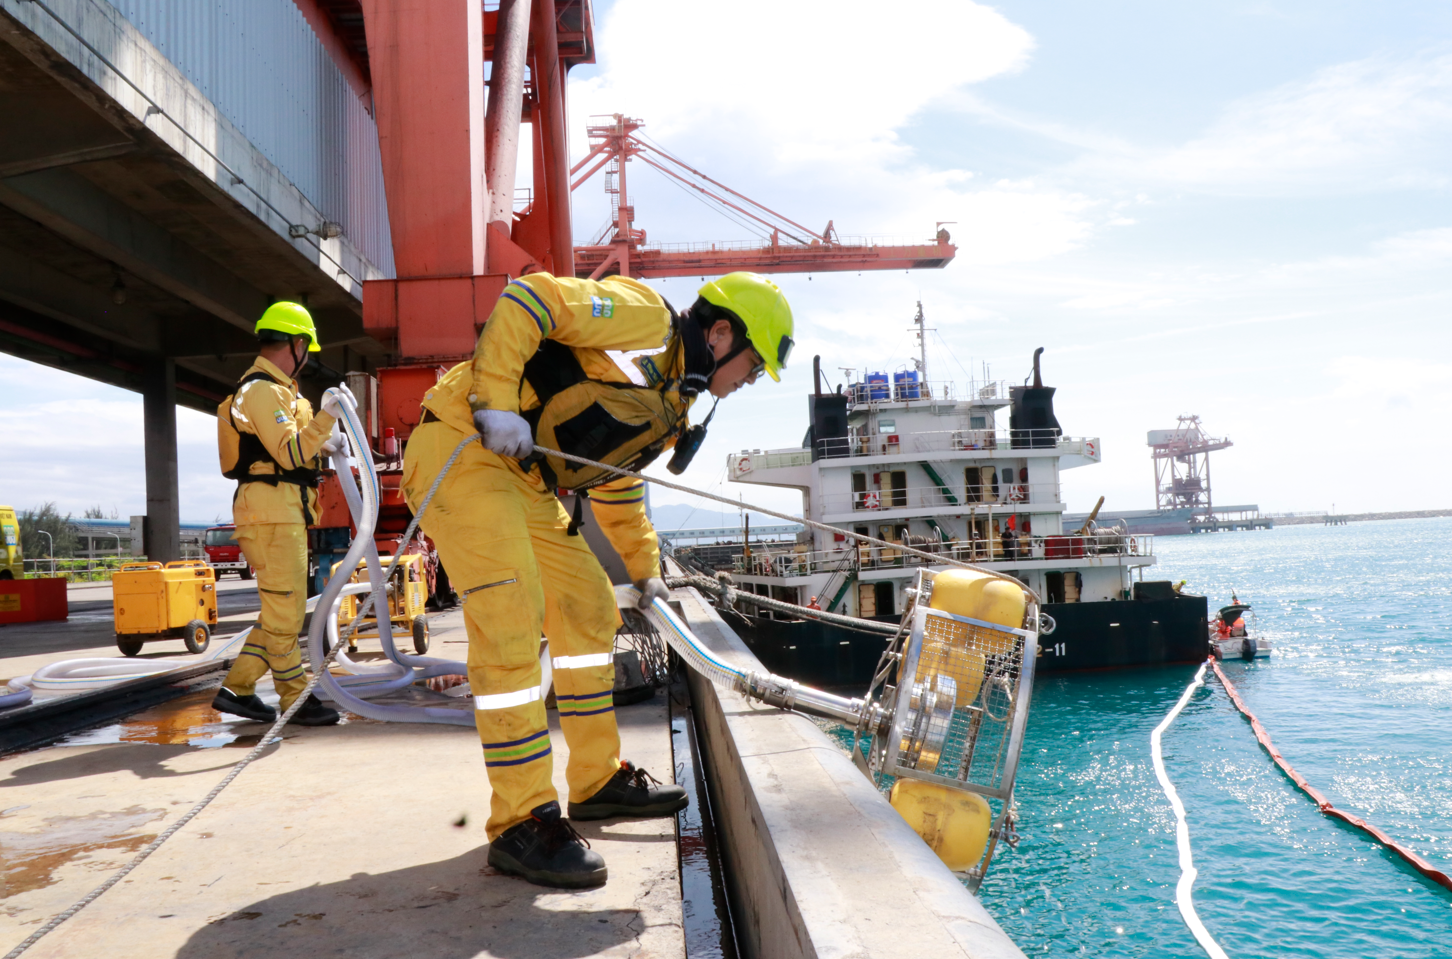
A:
(818, 863)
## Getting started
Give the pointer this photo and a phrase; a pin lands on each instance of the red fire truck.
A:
(223, 553)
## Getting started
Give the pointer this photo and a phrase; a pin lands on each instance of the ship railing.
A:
(1067, 546)
(998, 496)
(865, 394)
(895, 444)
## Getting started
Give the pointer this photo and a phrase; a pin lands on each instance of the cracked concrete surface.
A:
(339, 842)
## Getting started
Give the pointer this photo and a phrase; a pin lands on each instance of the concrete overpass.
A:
(166, 171)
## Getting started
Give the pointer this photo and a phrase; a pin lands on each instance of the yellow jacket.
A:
(590, 317)
(291, 433)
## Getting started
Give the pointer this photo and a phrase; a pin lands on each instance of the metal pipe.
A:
(506, 103)
(549, 85)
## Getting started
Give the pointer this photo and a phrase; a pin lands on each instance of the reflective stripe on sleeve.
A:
(506, 700)
(582, 662)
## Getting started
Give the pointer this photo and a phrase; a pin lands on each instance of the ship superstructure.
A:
(972, 475)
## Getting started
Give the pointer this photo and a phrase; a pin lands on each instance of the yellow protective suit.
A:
(502, 535)
(272, 525)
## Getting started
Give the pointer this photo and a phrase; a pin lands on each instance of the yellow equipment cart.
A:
(175, 601)
(408, 590)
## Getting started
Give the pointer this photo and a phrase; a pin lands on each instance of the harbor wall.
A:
(817, 863)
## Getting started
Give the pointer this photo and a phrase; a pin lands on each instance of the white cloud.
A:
(806, 82)
(1370, 124)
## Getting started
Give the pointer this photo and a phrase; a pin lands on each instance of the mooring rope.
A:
(1184, 890)
(792, 609)
(1415, 861)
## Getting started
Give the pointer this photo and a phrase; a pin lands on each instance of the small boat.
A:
(1235, 634)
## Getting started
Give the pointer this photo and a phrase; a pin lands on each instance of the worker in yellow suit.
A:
(540, 369)
(268, 440)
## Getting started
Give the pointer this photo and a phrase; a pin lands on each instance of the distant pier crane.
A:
(1182, 467)
(783, 245)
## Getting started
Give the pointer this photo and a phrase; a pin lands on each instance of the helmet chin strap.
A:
(297, 364)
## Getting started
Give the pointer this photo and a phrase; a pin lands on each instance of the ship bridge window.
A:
(886, 426)
(978, 422)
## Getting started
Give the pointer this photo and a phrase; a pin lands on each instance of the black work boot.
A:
(546, 850)
(248, 707)
(314, 713)
(632, 793)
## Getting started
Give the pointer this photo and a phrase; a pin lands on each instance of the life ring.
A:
(743, 465)
(871, 500)
(1133, 547)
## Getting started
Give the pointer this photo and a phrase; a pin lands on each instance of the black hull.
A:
(1107, 635)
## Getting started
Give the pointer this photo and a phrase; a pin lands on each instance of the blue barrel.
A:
(877, 388)
(905, 385)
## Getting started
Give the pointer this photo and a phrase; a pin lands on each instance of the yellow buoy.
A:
(954, 649)
(963, 592)
(954, 824)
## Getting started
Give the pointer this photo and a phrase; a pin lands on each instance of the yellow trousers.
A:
(519, 575)
(279, 553)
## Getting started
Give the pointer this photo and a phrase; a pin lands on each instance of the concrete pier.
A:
(367, 839)
(364, 839)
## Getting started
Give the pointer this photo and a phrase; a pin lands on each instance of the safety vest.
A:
(617, 423)
(240, 451)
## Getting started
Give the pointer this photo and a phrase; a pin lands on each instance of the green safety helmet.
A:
(292, 319)
(763, 309)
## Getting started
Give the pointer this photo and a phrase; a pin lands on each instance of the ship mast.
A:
(922, 331)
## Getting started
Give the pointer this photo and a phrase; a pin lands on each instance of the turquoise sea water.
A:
(1357, 696)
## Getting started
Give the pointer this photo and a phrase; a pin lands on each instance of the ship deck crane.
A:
(784, 245)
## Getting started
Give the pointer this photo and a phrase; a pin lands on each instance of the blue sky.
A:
(1239, 212)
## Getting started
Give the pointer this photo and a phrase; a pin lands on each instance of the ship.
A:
(912, 462)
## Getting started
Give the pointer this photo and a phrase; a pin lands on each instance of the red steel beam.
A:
(646, 262)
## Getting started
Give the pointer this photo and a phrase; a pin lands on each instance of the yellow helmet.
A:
(763, 309)
(292, 319)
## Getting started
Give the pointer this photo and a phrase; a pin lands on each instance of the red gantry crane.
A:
(785, 246)
(1182, 467)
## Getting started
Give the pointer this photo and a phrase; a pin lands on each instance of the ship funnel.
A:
(1031, 420)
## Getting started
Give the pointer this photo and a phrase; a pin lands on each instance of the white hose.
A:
(80, 675)
(688, 647)
(1184, 889)
(363, 505)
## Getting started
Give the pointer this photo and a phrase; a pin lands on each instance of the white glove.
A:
(650, 590)
(505, 433)
(332, 406)
(336, 445)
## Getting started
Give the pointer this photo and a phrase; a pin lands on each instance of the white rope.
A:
(936, 559)
(1184, 889)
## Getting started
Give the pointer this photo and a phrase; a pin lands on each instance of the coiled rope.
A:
(1412, 859)
(1184, 890)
